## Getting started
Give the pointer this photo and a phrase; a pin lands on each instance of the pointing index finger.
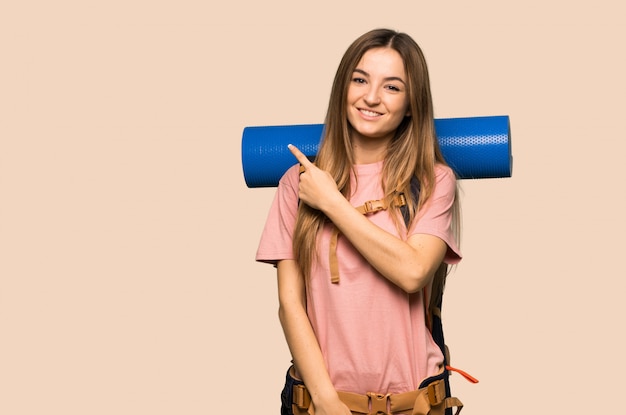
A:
(299, 156)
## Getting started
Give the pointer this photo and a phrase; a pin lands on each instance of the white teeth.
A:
(370, 113)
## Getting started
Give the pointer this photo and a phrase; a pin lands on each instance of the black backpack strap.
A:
(433, 315)
(415, 194)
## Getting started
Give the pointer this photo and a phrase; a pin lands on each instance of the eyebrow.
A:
(389, 78)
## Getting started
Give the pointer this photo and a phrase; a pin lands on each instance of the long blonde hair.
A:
(412, 153)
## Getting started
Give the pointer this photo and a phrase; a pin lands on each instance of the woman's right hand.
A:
(316, 188)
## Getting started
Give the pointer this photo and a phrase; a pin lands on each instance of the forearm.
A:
(300, 337)
(408, 264)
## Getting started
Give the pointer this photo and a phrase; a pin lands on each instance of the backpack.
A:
(434, 319)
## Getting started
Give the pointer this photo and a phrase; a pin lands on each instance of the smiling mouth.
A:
(370, 113)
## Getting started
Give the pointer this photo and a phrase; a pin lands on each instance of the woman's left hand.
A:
(317, 188)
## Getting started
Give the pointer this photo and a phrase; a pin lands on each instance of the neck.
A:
(369, 150)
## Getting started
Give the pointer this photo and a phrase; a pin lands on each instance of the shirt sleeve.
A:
(435, 216)
(277, 235)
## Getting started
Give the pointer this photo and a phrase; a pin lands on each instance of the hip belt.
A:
(429, 400)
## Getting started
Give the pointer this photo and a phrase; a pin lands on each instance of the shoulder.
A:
(290, 179)
(443, 171)
(445, 179)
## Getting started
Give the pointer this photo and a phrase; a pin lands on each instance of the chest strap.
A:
(371, 206)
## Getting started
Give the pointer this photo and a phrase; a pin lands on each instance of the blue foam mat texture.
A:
(474, 147)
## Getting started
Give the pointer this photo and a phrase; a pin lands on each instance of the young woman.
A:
(352, 277)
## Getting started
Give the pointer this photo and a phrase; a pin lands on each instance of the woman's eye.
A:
(393, 88)
(358, 80)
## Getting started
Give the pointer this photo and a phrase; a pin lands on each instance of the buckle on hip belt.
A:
(436, 393)
(301, 397)
(378, 403)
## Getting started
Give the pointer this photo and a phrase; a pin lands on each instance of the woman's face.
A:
(377, 95)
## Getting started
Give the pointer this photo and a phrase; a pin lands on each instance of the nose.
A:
(371, 96)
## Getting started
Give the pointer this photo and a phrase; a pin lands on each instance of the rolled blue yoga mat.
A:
(474, 147)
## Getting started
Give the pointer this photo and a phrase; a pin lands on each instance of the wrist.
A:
(325, 398)
(333, 203)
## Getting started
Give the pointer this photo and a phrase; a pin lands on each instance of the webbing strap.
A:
(435, 402)
(332, 256)
(301, 397)
(368, 207)
(466, 375)
(430, 400)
